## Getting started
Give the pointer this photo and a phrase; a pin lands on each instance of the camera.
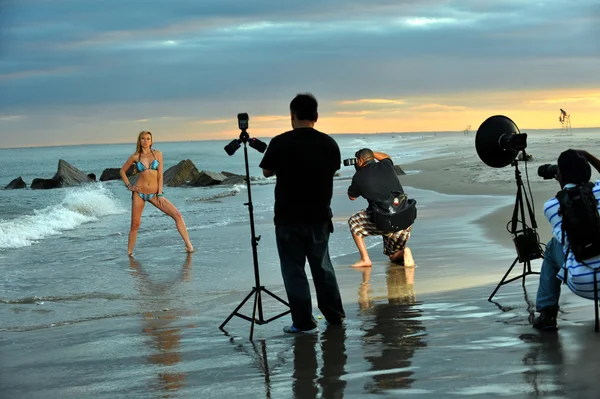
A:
(349, 161)
(547, 171)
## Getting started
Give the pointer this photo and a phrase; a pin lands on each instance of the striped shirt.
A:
(580, 277)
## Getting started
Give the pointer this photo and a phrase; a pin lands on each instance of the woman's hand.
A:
(160, 200)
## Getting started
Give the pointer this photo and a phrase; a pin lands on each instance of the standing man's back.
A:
(304, 161)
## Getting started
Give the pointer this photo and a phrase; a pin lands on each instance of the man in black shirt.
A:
(305, 161)
(375, 179)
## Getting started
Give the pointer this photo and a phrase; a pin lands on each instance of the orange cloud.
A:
(439, 107)
(372, 101)
(270, 118)
(214, 121)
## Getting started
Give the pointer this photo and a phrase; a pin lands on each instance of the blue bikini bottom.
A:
(145, 197)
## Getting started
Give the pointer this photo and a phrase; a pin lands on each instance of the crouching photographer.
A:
(390, 213)
(573, 254)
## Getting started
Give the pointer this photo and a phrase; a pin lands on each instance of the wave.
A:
(75, 297)
(80, 205)
(67, 322)
(235, 190)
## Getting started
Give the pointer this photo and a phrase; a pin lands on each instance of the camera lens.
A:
(547, 171)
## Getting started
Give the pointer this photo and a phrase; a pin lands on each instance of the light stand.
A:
(231, 148)
(525, 239)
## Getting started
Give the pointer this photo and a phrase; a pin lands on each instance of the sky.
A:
(82, 71)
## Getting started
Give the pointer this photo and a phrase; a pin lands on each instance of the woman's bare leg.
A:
(172, 211)
(137, 206)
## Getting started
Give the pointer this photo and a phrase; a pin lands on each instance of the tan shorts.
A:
(361, 225)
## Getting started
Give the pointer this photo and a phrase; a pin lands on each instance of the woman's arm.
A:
(125, 168)
(160, 170)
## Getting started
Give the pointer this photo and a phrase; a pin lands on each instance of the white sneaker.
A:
(293, 330)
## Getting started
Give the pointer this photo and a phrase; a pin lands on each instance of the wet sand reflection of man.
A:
(394, 332)
(308, 382)
(157, 322)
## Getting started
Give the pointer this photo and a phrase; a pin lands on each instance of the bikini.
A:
(141, 167)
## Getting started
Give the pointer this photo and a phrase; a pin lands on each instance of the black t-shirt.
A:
(375, 181)
(304, 161)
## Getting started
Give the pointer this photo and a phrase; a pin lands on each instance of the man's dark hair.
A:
(365, 154)
(304, 106)
(573, 167)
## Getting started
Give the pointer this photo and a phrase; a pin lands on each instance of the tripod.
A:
(258, 288)
(525, 239)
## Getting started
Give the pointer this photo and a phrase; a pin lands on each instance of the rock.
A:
(229, 174)
(235, 179)
(180, 174)
(114, 173)
(399, 170)
(66, 176)
(92, 176)
(206, 178)
(16, 183)
(45, 184)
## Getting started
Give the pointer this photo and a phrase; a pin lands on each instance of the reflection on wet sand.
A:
(546, 350)
(164, 339)
(392, 332)
(310, 382)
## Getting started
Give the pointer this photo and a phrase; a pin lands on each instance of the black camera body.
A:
(349, 161)
(548, 171)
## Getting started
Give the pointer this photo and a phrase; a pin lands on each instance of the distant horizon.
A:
(458, 132)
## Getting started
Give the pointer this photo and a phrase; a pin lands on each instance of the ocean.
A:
(64, 263)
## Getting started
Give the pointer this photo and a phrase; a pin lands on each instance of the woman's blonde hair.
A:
(138, 146)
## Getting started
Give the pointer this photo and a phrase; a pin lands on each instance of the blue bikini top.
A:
(141, 167)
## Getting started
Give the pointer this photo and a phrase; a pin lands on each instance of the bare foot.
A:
(408, 258)
(189, 249)
(362, 263)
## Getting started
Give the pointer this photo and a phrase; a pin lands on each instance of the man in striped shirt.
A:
(573, 169)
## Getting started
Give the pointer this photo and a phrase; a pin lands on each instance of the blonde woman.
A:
(148, 165)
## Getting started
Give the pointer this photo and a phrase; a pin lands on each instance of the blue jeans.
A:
(549, 288)
(296, 244)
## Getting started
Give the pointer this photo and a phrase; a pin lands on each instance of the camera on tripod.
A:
(548, 171)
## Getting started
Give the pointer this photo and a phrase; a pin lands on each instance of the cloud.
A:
(215, 121)
(10, 118)
(594, 98)
(438, 107)
(208, 60)
(372, 101)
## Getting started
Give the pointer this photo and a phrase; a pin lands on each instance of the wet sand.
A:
(427, 331)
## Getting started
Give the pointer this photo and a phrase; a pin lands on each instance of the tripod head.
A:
(244, 138)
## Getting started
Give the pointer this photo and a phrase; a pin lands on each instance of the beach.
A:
(427, 331)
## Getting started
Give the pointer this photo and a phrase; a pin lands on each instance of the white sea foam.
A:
(79, 205)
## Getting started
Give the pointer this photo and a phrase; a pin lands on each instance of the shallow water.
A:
(79, 319)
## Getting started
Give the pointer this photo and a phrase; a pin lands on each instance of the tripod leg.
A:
(596, 327)
(275, 296)
(259, 306)
(503, 278)
(238, 308)
(526, 268)
(256, 302)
